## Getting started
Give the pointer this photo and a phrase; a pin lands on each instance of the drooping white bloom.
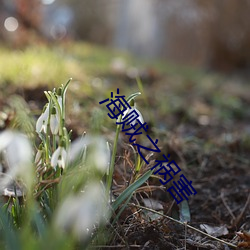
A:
(59, 157)
(42, 122)
(17, 152)
(98, 153)
(101, 154)
(54, 121)
(79, 214)
(129, 111)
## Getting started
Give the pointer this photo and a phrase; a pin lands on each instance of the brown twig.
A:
(225, 204)
(183, 223)
(239, 217)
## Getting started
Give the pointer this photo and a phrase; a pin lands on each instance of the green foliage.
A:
(132, 188)
(66, 206)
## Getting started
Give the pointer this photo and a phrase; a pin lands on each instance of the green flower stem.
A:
(54, 142)
(47, 137)
(112, 164)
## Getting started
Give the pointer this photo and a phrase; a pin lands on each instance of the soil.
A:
(213, 154)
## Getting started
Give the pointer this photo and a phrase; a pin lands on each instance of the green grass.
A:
(43, 64)
(93, 79)
(34, 65)
(37, 65)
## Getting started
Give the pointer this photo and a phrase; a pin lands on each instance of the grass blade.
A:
(128, 191)
(133, 96)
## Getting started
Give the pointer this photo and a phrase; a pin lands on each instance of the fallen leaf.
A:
(214, 230)
(152, 204)
(155, 205)
(245, 236)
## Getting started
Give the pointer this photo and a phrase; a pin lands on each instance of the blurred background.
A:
(212, 34)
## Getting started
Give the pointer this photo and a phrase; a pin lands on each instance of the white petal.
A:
(55, 156)
(18, 155)
(77, 148)
(101, 155)
(80, 213)
(44, 127)
(140, 118)
(42, 121)
(19, 151)
(46, 113)
(39, 123)
(5, 139)
(54, 124)
(128, 111)
(62, 161)
(59, 99)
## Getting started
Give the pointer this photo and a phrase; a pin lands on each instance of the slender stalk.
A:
(112, 164)
(65, 87)
(47, 141)
(54, 142)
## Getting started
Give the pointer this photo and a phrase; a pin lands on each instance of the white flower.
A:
(128, 112)
(17, 152)
(59, 99)
(79, 214)
(54, 121)
(101, 155)
(59, 158)
(98, 154)
(42, 122)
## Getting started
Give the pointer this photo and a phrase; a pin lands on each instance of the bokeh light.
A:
(48, 2)
(11, 24)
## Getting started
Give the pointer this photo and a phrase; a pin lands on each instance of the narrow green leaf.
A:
(133, 96)
(122, 209)
(65, 87)
(184, 211)
(39, 222)
(11, 237)
(128, 191)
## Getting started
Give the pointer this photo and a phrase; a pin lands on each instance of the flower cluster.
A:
(50, 127)
(85, 205)
(56, 151)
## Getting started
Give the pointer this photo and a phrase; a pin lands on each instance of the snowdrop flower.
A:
(54, 121)
(17, 152)
(128, 112)
(98, 154)
(59, 99)
(59, 157)
(101, 154)
(42, 122)
(79, 214)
